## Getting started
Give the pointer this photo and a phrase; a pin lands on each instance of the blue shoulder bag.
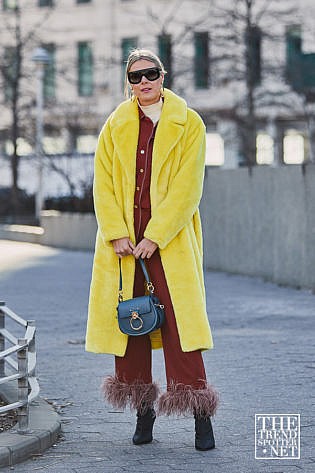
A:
(140, 315)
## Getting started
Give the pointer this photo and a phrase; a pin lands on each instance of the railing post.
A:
(2, 339)
(31, 345)
(23, 386)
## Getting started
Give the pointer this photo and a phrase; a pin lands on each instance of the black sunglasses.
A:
(152, 73)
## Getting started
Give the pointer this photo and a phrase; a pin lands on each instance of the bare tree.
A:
(240, 27)
(237, 29)
(17, 101)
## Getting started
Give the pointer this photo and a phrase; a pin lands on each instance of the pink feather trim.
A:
(182, 399)
(138, 395)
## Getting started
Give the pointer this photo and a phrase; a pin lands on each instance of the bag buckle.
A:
(133, 317)
(150, 287)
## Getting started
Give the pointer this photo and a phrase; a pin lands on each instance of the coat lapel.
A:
(170, 129)
(125, 131)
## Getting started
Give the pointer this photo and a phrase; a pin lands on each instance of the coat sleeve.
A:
(184, 193)
(108, 213)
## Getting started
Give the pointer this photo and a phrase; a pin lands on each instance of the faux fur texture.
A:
(181, 399)
(138, 395)
(175, 225)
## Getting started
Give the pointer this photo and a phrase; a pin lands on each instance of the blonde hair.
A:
(134, 56)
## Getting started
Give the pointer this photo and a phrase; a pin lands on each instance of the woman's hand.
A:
(123, 247)
(145, 248)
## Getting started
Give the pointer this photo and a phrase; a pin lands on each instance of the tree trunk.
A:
(250, 118)
(15, 127)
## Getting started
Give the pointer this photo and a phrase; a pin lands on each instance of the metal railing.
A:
(21, 358)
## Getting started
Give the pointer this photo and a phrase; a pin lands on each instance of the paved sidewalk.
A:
(263, 362)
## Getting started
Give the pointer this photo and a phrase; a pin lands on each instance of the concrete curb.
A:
(44, 428)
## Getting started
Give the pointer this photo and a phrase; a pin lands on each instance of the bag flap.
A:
(142, 305)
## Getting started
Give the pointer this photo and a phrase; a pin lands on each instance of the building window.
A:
(300, 66)
(85, 69)
(293, 148)
(50, 73)
(201, 60)
(23, 147)
(264, 149)
(45, 3)
(127, 45)
(253, 54)
(9, 72)
(293, 57)
(214, 149)
(83, 1)
(86, 144)
(54, 145)
(165, 53)
(9, 4)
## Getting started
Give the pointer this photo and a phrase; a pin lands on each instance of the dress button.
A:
(142, 151)
(135, 206)
(138, 188)
(141, 170)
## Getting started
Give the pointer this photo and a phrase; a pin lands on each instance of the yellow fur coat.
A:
(176, 188)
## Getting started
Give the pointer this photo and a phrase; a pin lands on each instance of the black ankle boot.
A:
(143, 433)
(204, 439)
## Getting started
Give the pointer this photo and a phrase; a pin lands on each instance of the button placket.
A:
(146, 137)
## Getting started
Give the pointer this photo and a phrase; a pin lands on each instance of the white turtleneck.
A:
(153, 111)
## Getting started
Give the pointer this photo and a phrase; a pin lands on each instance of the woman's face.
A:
(147, 92)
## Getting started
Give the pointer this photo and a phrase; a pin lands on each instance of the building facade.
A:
(222, 60)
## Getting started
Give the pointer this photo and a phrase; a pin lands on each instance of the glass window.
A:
(201, 60)
(85, 69)
(293, 148)
(9, 72)
(23, 147)
(165, 53)
(300, 66)
(264, 149)
(50, 73)
(45, 3)
(9, 4)
(54, 144)
(86, 143)
(293, 69)
(253, 56)
(127, 45)
(214, 149)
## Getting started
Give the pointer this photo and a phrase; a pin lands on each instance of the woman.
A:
(149, 167)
